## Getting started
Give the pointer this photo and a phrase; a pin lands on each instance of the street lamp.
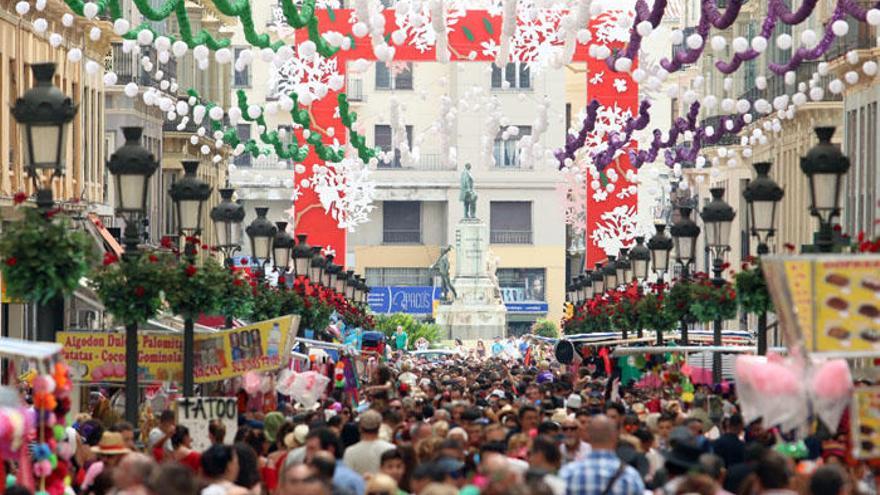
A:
(261, 232)
(610, 272)
(571, 291)
(350, 283)
(282, 248)
(189, 195)
(131, 165)
(587, 279)
(624, 267)
(762, 195)
(302, 257)
(717, 217)
(598, 278)
(316, 269)
(44, 114)
(660, 245)
(227, 217)
(825, 167)
(327, 274)
(684, 236)
(639, 256)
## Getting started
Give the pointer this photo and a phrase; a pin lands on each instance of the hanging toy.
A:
(339, 375)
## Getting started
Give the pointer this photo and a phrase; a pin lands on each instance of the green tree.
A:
(414, 328)
(546, 328)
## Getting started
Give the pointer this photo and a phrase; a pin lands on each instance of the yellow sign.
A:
(263, 346)
(831, 302)
(865, 424)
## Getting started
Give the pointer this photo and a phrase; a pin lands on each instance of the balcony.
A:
(860, 36)
(715, 122)
(510, 237)
(399, 236)
(427, 161)
(776, 85)
(128, 68)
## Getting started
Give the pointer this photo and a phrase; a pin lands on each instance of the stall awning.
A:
(110, 243)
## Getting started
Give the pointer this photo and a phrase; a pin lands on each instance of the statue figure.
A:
(441, 267)
(492, 263)
(467, 195)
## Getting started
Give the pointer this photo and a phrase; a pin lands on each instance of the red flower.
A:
(236, 282)
(861, 237)
(725, 266)
(837, 228)
(206, 247)
(789, 247)
(139, 291)
(110, 258)
(192, 239)
(190, 270)
(19, 198)
(745, 266)
(166, 242)
(11, 261)
(153, 258)
(244, 260)
(282, 281)
(51, 213)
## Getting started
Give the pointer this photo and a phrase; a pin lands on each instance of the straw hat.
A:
(111, 443)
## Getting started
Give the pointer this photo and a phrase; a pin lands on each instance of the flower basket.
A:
(751, 290)
(192, 290)
(238, 297)
(712, 303)
(44, 256)
(131, 289)
(677, 300)
(267, 302)
(653, 314)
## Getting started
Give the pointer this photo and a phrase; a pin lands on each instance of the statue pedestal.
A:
(477, 312)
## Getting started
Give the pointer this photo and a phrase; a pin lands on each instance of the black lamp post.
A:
(350, 283)
(660, 245)
(330, 271)
(587, 284)
(624, 267)
(598, 279)
(571, 292)
(610, 272)
(302, 257)
(684, 237)
(43, 115)
(227, 217)
(639, 257)
(282, 248)
(762, 195)
(189, 195)
(825, 167)
(261, 233)
(718, 218)
(132, 165)
(316, 269)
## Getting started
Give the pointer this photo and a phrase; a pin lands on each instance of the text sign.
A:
(196, 413)
(411, 300)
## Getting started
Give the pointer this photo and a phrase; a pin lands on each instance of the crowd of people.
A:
(468, 426)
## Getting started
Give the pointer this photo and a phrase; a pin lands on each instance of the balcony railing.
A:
(401, 236)
(510, 237)
(128, 68)
(715, 122)
(427, 161)
(860, 36)
(776, 85)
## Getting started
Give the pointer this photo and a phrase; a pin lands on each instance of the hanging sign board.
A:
(196, 413)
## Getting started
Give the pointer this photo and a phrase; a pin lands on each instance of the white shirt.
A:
(365, 456)
(582, 451)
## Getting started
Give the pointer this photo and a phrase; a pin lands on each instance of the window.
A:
(244, 134)
(516, 74)
(510, 222)
(407, 277)
(241, 79)
(402, 222)
(383, 137)
(398, 76)
(521, 284)
(506, 152)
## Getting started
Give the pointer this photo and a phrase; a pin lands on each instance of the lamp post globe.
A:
(131, 166)
(718, 218)
(330, 272)
(261, 233)
(316, 268)
(610, 272)
(587, 283)
(825, 167)
(302, 256)
(684, 237)
(282, 248)
(43, 114)
(762, 196)
(660, 245)
(624, 267)
(598, 279)
(189, 195)
(227, 217)
(639, 256)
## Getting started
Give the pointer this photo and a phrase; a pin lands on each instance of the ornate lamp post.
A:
(302, 257)
(825, 167)
(282, 248)
(660, 245)
(762, 195)
(684, 237)
(639, 257)
(132, 165)
(330, 271)
(587, 279)
(316, 269)
(189, 195)
(718, 218)
(598, 279)
(624, 267)
(43, 115)
(610, 272)
(261, 232)
(571, 292)
(227, 217)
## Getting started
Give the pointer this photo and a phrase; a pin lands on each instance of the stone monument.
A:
(471, 307)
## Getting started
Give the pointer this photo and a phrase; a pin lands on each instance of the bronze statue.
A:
(467, 195)
(441, 267)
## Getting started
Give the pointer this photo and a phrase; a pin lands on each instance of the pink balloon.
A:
(252, 382)
(833, 380)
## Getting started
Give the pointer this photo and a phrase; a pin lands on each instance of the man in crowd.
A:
(365, 456)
